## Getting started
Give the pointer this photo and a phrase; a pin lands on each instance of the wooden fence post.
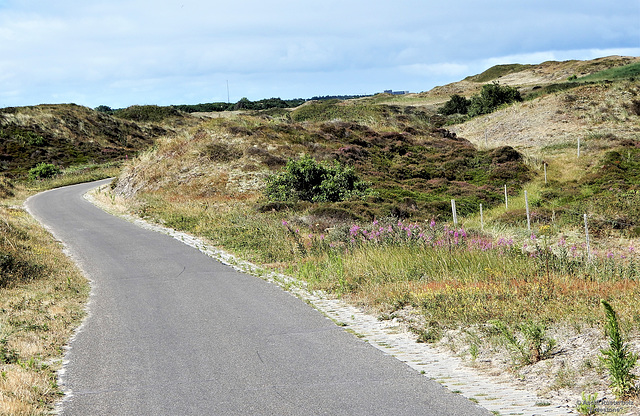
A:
(526, 203)
(586, 233)
(455, 214)
(506, 199)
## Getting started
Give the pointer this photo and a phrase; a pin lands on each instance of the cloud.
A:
(134, 51)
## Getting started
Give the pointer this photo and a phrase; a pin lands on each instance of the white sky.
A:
(124, 52)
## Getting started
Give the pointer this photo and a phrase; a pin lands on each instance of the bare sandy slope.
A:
(591, 112)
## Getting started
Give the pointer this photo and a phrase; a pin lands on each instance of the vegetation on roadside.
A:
(396, 251)
(618, 360)
(305, 179)
(42, 296)
(390, 247)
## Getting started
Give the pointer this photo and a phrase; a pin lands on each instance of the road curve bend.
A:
(171, 331)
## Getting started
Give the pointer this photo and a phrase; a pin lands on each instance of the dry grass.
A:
(592, 113)
(207, 180)
(41, 306)
(438, 292)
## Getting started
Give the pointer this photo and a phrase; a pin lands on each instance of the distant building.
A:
(396, 92)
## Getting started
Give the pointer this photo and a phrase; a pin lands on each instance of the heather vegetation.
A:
(395, 249)
(354, 197)
(67, 135)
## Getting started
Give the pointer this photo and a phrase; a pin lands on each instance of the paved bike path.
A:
(172, 331)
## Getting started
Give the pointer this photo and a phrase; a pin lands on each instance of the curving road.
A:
(171, 331)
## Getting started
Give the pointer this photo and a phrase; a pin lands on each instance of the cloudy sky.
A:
(124, 52)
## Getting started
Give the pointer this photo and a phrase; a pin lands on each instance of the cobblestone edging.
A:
(389, 337)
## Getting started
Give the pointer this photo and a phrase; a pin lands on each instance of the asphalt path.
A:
(171, 331)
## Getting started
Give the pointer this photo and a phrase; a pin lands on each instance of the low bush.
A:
(491, 97)
(43, 171)
(308, 180)
(457, 104)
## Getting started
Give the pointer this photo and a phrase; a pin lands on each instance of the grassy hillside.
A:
(67, 135)
(397, 251)
(414, 169)
(394, 251)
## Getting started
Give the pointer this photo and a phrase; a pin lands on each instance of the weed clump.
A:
(535, 345)
(618, 360)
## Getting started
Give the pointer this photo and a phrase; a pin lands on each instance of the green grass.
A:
(611, 74)
(75, 174)
(497, 71)
(328, 110)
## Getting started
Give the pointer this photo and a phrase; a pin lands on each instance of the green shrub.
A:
(491, 97)
(43, 170)
(457, 104)
(308, 180)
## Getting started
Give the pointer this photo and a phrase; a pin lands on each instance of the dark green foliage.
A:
(22, 136)
(618, 360)
(104, 109)
(242, 104)
(491, 97)
(147, 113)
(457, 104)
(204, 108)
(43, 171)
(308, 180)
